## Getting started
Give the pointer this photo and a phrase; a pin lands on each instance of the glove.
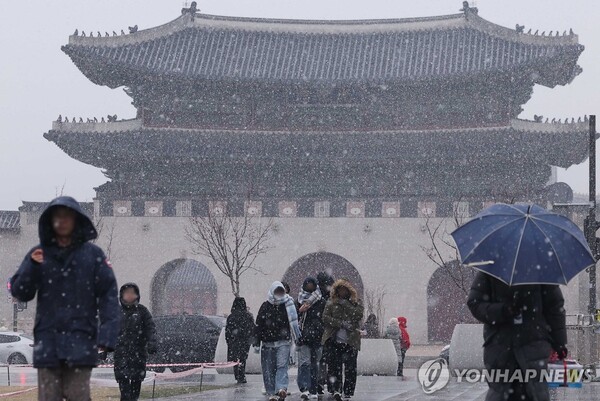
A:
(562, 352)
(102, 355)
(347, 325)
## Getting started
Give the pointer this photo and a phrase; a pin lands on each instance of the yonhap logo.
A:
(433, 375)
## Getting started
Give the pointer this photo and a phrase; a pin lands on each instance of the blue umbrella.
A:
(523, 244)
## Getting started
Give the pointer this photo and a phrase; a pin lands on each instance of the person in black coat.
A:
(522, 324)
(325, 282)
(77, 309)
(137, 339)
(239, 334)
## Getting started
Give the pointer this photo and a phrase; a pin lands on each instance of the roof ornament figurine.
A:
(571, 33)
(66, 119)
(536, 32)
(83, 33)
(133, 29)
(80, 119)
(192, 9)
(114, 33)
(467, 9)
(537, 119)
(99, 34)
(112, 118)
(122, 32)
(59, 119)
(76, 33)
(520, 28)
(102, 120)
(106, 34)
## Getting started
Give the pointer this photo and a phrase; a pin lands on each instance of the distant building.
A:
(351, 134)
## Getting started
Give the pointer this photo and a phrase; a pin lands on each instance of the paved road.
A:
(368, 388)
(387, 389)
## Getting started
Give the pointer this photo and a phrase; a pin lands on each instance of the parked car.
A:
(186, 339)
(15, 348)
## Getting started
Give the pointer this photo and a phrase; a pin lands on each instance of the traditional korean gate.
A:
(183, 286)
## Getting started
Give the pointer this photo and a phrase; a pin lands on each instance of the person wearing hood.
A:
(311, 306)
(342, 316)
(276, 328)
(137, 339)
(392, 331)
(239, 335)
(77, 311)
(404, 344)
(325, 282)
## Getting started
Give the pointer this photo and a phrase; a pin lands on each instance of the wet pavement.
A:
(385, 389)
(369, 388)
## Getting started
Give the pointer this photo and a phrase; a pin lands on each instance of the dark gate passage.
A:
(313, 263)
(446, 306)
(183, 286)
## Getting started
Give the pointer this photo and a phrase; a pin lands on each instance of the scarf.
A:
(290, 308)
(309, 298)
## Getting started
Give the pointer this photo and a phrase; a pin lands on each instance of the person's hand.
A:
(38, 256)
(304, 308)
(347, 325)
(562, 352)
(102, 354)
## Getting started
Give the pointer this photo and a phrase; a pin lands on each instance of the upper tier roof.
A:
(214, 47)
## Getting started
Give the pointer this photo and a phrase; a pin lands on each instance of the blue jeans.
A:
(308, 367)
(274, 361)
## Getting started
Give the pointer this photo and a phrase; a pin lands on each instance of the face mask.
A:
(279, 297)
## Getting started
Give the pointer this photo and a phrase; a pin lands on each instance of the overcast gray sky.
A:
(38, 81)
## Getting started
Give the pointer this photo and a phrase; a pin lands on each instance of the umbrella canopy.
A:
(523, 244)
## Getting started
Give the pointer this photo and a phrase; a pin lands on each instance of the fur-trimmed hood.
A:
(343, 283)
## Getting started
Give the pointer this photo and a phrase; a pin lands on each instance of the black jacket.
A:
(272, 323)
(543, 312)
(311, 324)
(239, 331)
(137, 337)
(77, 306)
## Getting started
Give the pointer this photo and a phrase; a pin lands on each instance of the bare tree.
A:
(233, 243)
(110, 236)
(374, 305)
(442, 251)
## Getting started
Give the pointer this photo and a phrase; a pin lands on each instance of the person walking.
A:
(325, 282)
(276, 328)
(404, 343)
(392, 331)
(342, 316)
(77, 311)
(137, 339)
(311, 307)
(371, 327)
(522, 324)
(239, 335)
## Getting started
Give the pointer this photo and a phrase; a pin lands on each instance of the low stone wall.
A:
(377, 357)
(466, 347)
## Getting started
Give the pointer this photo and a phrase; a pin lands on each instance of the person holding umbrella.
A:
(522, 253)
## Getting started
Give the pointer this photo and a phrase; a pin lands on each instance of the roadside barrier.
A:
(150, 377)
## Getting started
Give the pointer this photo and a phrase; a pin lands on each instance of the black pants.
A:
(342, 368)
(239, 371)
(324, 370)
(130, 389)
(401, 363)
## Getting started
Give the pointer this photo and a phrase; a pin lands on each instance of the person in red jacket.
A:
(404, 343)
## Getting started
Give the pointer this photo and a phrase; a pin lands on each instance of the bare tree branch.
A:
(233, 243)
